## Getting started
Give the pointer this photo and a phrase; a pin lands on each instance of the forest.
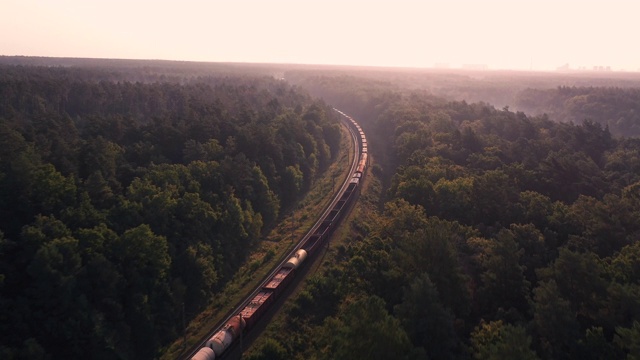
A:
(485, 234)
(500, 218)
(610, 99)
(124, 201)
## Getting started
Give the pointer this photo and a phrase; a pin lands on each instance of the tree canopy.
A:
(124, 196)
(488, 233)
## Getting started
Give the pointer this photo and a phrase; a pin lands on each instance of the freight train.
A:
(262, 301)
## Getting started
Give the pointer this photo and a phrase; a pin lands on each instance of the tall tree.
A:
(364, 330)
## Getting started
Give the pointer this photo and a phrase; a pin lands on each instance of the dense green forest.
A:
(129, 189)
(129, 192)
(485, 233)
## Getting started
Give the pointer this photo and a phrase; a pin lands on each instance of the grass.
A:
(268, 253)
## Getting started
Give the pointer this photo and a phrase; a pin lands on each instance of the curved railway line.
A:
(228, 332)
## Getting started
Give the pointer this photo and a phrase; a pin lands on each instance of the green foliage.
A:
(363, 330)
(496, 340)
(508, 232)
(125, 195)
(136, 192)
(321, 297)
(629, 340)
(292, 183)
(431, 249)
(427, 322)
(596, 346)
(554, 321)
(270, 350)
(503, 285)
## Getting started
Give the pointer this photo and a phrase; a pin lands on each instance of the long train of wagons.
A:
(249, 315)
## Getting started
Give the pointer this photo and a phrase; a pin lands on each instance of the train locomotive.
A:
(242, 322)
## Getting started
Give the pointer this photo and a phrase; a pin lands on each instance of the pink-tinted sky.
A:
(515, 34)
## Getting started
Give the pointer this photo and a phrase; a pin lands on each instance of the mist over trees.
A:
(608, 99)
(488, 234)
(614, 108)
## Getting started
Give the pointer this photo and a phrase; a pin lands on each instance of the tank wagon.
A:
(242, 322)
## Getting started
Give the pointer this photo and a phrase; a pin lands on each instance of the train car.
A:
(353, 184)
(312, 243)
(256, 307)
(347, 196)
(364, 158)
(323, 230)
(205, 353)
(272, 289)
(221, 340)
(338, 210)
(296, 260)
(339, 213)
(262, 301)
(333, 214)
(315, 240)
(280, 280)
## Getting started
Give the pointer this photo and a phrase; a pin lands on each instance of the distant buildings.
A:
(602, 68)
(567, 68)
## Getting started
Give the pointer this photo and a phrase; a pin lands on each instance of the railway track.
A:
(318, 233)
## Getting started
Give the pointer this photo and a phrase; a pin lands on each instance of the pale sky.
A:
(515, 34)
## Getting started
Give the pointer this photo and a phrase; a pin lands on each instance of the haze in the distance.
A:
(539, 35)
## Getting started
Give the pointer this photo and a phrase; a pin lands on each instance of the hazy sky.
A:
(513, 34)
